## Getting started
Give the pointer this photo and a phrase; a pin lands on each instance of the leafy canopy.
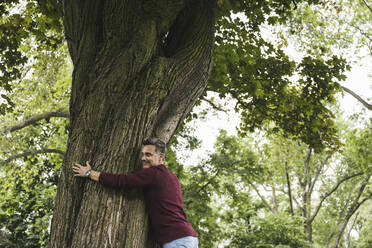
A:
(254, 71)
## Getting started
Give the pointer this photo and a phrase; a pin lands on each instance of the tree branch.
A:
(261, 197)
(35, 119)
(202, 188)
(289, 187)
(273, 194)
(28, 153)
(361, 100)
(351, 228)
(319, 169)
(189, 47)
(350, 211)
(235, 95)
(219, 108)
(298, 204)
(331, 192)
(361, 190)
(365, 3)
(362, 32)
(329, 239)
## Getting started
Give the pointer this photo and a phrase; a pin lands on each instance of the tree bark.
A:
(139, 67)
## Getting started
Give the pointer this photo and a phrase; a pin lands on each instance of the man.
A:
(162, 194)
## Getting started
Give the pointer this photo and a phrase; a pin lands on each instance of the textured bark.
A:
(139, 67)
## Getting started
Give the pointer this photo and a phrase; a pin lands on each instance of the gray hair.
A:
(158, 143)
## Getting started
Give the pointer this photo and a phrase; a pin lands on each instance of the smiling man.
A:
(162, 192)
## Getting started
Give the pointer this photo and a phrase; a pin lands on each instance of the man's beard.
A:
(146, 164)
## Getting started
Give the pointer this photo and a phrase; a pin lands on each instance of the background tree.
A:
(286, 178)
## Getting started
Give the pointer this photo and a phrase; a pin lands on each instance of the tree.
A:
(325, 190)
(232, 174)
(139, 67)
(123, 72)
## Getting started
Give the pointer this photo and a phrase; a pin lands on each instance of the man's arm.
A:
(139, 179)
(86, 171)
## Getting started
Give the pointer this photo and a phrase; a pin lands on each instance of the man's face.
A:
(149, 157)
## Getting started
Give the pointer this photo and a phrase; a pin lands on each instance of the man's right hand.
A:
(81, 171)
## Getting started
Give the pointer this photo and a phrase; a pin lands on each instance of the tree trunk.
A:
(139, 67)
(289, 190)
(306, 197)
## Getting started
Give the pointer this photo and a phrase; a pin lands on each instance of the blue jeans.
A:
(185, 242)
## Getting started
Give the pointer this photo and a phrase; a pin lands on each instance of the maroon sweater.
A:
(163, 198)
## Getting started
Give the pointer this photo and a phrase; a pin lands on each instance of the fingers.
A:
(76, 169)
(79, 170)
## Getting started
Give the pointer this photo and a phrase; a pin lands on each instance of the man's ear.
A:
(162, 157)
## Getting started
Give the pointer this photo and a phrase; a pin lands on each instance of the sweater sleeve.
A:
(140, 179)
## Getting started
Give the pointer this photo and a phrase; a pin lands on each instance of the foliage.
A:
(271, 231)
(27, 197)
(262, 78)
(29, 182)
(219, 200)
(340, 27)
(197, 185)
(334, 27)
(44, 88)
(22, 23)
(360, 150)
